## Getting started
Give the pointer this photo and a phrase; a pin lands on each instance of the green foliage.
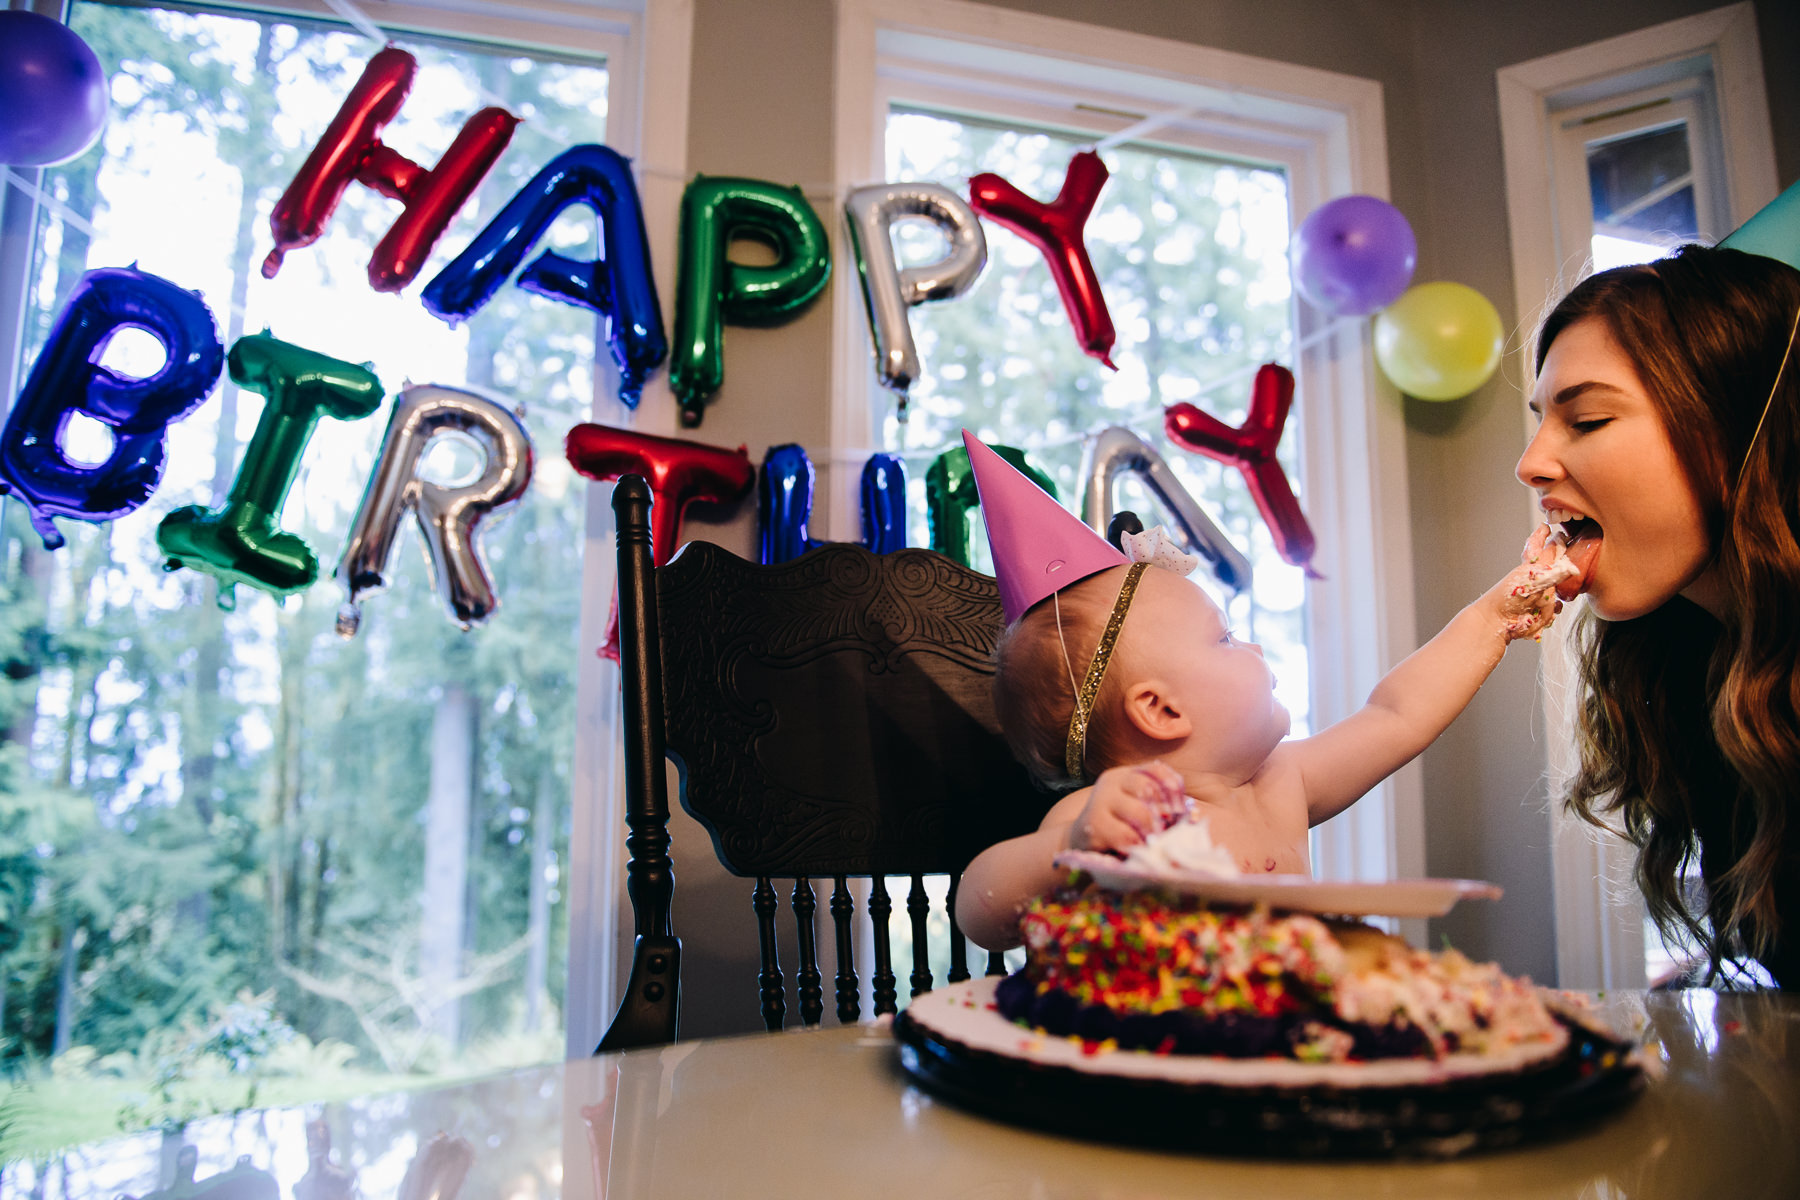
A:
(199, 809)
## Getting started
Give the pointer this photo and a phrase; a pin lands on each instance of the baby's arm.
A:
(1417, 700)
(1124, 805)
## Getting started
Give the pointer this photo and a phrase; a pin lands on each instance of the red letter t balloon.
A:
(678, 472)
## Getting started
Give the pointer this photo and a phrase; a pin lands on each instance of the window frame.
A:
(1327, 131)
(1599, 910)
(646, 46)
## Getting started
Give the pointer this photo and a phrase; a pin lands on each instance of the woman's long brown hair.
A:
(1677, 710)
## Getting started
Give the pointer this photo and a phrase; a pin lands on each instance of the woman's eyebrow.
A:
(1572, 391)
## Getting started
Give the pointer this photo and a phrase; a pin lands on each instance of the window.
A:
(1652, 182)
(213, 824)
(1192, 251)
(1616, 152)
(1217, 155)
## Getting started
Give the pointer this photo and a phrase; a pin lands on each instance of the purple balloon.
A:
(52, 91)
(1354, 255)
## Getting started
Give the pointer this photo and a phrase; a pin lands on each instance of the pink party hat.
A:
(1039, 546)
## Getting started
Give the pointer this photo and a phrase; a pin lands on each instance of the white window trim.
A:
(647, 47)
(1328, 130)
(1599, 912)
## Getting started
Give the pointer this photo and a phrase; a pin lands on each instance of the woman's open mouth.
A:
(1582, 537)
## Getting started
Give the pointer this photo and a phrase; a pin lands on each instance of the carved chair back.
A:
(831, 719)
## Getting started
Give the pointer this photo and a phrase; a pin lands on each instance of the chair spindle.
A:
(882, 981)
(918, 907)
(842, 909)
(774, 999)
(959, 945)
(996, 963)
(808, 982)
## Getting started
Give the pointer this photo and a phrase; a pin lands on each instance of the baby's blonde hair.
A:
(1034, 696)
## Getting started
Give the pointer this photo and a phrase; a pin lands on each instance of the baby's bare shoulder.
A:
(1280, 786)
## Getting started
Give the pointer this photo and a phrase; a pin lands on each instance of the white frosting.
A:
(1186, 845)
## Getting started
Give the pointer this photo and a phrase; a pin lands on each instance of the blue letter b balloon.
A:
(68, 379)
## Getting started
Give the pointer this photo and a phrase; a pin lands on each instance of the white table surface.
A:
(828, 1112)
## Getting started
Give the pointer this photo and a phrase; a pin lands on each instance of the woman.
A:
(1669, 448)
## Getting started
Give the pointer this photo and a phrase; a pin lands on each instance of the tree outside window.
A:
(213, 883)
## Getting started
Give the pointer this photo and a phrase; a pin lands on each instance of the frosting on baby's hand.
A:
(1530, 603)
(1186, 845)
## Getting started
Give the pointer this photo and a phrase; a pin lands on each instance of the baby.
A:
(1127, 677)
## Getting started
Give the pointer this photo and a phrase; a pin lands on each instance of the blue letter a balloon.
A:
(621, 285)
(68, 378)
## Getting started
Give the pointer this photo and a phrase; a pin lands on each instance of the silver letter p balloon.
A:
(889, 291)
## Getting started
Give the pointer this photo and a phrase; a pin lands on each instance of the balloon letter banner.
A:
(67, 379)
(621, 285)
(712, 291)
(351, 150)
(887, 290)
(240, 541)
(1056, 229)
(785, 498)
(1251, 449)
(1116, 451)
(449, 517)
(950, 495)
(678, 472)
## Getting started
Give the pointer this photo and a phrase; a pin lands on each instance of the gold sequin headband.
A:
(1075, 751)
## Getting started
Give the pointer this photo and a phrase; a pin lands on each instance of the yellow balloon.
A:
(1439, 341)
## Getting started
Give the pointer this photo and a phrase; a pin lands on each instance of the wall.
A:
(761, 105)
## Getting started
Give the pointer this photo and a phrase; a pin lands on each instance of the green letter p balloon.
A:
(711, 290)
(241, 541)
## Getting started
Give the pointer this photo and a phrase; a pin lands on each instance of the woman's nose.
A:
(1537, 466)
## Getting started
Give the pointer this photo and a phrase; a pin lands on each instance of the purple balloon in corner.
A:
(1354, 255)
(52, 91)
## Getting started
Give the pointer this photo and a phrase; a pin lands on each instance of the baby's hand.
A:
(1129, 804)
(1527, 596)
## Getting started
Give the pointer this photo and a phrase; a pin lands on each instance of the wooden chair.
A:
(831, 718)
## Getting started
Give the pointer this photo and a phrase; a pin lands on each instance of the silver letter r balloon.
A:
(449, 517)
(1116, 450)
(889, 291)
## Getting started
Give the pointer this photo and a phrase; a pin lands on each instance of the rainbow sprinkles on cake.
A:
(1157, 969)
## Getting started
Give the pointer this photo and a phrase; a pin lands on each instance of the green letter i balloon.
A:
(240, 541)
(711, 290)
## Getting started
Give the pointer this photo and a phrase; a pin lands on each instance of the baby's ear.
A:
(1156, 711)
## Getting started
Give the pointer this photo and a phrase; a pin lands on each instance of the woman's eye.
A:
(1589, 425)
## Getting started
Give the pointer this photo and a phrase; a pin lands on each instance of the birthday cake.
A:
(1154, 969)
